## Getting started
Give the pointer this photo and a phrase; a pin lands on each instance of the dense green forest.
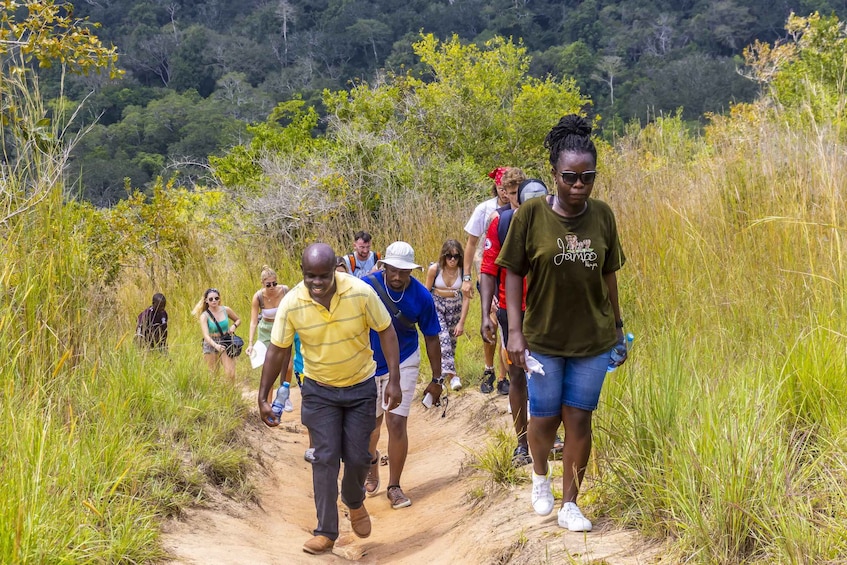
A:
(197, 72)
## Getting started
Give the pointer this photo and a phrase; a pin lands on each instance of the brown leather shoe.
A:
(361, 521)
(372, 480)
(318, 545)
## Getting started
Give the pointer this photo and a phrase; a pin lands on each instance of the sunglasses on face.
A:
(451, 256)
(270, 284)
(214, 298)
(570, 177)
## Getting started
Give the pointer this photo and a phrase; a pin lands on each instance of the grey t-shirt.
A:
(360, 268)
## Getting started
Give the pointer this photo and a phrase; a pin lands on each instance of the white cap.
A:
(400, 255)
(530, 188)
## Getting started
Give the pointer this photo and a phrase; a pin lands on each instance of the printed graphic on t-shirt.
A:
(574, 250)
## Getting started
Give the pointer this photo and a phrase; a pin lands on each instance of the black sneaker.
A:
(558, 444)
(487, 385)
(521, 457)
(503, 387)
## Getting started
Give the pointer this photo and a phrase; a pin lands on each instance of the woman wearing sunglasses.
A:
(216, 320)
(444, 281)
(262, 312)
(570, 253)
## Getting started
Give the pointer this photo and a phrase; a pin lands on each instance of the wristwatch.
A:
(466, 278)
(619, 323)
(439, 380)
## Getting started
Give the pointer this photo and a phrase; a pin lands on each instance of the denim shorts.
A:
(567, 381)
(208, 348)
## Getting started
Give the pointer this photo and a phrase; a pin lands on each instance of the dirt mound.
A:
(448, 522)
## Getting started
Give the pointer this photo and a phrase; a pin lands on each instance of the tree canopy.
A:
(634, 59)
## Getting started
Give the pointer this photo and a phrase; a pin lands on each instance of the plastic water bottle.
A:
(282, 394)
(619, 353)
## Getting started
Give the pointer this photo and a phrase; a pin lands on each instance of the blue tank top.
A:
(213, 327)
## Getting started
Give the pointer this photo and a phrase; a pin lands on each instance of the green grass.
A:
(725, 433)
(724, 430)
(494, 458)
(100, 441)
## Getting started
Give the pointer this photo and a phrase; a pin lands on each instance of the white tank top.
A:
(439, 282)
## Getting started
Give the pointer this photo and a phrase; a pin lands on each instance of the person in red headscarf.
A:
(477, 225)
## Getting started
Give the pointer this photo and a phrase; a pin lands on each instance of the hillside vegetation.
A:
(724, 434)
(197, 73)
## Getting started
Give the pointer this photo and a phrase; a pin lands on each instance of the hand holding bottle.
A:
(282, 394)
(619, 353)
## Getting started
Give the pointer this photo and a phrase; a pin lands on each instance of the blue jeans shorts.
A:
(567, 381)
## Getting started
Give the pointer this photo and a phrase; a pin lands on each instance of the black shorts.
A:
(503, 322)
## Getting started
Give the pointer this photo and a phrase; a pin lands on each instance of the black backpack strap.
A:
(396, 315)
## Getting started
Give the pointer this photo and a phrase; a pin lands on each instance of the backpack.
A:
(503, 229)
(506, 218)
(351, 260)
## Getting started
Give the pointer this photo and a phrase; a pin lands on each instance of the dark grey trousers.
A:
(340, 421)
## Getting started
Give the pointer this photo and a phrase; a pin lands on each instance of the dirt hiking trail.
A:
(444, 524)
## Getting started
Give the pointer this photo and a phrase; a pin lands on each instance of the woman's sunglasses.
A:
(570, 177)
(452, 256)
(270, 284)
(214, 298)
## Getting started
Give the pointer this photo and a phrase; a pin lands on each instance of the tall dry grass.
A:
(725, 432)
(99, 440)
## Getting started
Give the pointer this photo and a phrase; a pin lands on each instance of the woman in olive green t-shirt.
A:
(569, 253)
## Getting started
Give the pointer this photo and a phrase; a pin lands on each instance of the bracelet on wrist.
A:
(439, 380)
(619, 324)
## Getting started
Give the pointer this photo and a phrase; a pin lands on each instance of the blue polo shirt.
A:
(417, 305)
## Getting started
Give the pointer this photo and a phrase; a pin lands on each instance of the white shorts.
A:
(409, 371)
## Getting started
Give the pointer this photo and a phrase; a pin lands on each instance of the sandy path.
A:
(443, 525)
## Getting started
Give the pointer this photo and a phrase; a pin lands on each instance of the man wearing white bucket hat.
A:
(411, 307)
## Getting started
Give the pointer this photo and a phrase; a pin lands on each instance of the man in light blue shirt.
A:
(362, 261)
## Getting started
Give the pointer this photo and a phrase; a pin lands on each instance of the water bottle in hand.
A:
(619, 353)
(427, 400)
(282, 394)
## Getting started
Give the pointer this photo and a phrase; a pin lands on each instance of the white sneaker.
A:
(309, 455)
(570, 517)
(455, 383)
(288, 406)
(542, 493)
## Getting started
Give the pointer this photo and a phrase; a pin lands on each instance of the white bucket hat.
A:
(400, 255)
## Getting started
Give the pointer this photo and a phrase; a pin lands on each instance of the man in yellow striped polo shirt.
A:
(332, 313)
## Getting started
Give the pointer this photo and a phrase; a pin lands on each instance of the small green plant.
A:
(494, 458)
